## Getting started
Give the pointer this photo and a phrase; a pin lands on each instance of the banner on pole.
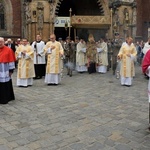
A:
(61, 21)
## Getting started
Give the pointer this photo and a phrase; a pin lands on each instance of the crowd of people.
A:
(39, 59)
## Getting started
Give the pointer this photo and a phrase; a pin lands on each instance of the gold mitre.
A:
(91, 38)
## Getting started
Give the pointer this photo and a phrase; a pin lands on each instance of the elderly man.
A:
(10, 44)
(7, 65)
(54, 52)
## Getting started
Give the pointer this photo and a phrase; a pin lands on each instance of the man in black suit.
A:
(10, 44)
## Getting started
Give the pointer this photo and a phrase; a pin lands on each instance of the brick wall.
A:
(143, 18)
(16, 6)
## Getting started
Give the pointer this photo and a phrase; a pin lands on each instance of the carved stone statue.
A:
(27, 12)
(134, 16)
(126, 13)
(40, 19)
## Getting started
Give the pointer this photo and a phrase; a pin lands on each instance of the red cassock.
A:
(146, 62)
(7, 55)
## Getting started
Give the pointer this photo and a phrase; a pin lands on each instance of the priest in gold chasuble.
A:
(53, 51)
(127, 56)
(25, 56)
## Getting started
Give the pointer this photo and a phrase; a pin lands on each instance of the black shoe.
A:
(23, 86)
(127, 85)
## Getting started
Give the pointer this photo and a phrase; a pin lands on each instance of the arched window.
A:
(2, 15)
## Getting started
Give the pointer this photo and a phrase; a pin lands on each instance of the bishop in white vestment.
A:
(54, 52)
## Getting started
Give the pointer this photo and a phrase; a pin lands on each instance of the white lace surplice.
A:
(4, 71)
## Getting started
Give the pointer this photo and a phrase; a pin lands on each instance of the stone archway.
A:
(102, 4)
(95, 20)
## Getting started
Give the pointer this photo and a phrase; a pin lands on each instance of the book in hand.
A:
(99, 50)
(49, 51)
(83, 50)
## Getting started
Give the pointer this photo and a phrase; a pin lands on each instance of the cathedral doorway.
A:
(87, 10)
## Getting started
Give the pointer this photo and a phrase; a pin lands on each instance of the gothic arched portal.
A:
(82, 8)
(79, 7)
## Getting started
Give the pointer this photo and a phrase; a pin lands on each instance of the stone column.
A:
(52, 17)
(27, 14)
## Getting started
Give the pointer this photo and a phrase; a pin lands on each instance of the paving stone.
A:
(77, 146)
(3, 147)
(123, 147)
(86, 112)
(96, 146)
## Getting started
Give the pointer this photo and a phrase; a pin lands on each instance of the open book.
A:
(83, 50)
(99, 50)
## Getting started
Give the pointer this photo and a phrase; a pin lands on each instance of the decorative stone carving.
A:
(27, 12)
(134, 16)
(90, 20)
(40, 17)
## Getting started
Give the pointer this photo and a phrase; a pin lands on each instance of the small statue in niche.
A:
(126, 15)
(27, 12)
(40, 19)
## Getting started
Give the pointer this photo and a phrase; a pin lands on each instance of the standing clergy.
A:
(25, 56)
(146, 69)
(54, 52)
(127, 55)
(102, 56)
(146, 46)
(81, 56)
(7, 65)
(39, 57)
(91, 54)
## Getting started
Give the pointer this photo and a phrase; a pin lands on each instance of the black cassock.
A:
(92, 67)
(6, 92)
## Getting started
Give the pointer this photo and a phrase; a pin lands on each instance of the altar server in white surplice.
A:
(39, 57)
(102, 58)
(54, 51)
(81, 56)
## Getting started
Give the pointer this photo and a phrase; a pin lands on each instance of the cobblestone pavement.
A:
(85, 112)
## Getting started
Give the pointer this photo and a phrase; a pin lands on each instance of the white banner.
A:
(62, 21)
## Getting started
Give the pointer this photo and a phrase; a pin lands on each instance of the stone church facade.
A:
(27, 18)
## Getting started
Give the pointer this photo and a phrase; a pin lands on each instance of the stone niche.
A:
(38, 21)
